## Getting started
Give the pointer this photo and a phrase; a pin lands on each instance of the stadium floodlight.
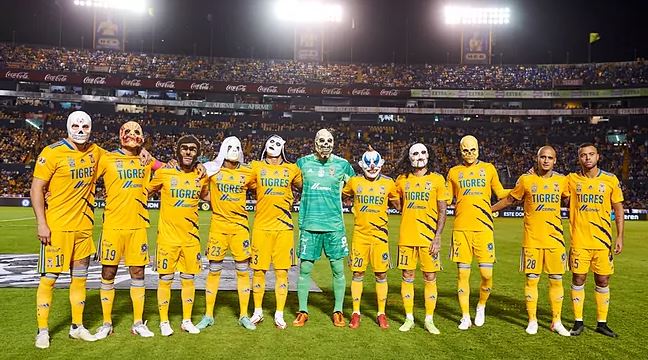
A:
(467, 15)
(138, 6)
(308, 11)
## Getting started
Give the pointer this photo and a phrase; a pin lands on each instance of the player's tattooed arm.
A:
(204, 193)
(435, 247)
(37, 193)
(619, 220)
(145, 157)
(396, 204)
(503, 204)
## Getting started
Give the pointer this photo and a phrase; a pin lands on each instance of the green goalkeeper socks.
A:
(303, 285)
(339, 283)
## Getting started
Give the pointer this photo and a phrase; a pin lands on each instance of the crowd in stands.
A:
(510, 147)
(166, 66)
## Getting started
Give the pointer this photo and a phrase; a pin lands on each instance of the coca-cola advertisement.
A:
(22, 75)
(94, 80)
(165, 84)
(296, 90)
(131, 82)
(331, 91)
(236, 88)
(199, 86)
(55, 78)
(267, 89)
(361, 92)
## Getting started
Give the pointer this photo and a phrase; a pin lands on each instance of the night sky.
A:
(541, 31)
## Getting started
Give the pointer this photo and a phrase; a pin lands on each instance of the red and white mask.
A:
(131, 135)
(79, 126)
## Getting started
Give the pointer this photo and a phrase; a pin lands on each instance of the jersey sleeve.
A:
(518, 191)
(442, 190)
(348, 171)
(496, 185)
(101, 166)
(450, 186)
(298, 180)
(617, 194)
(156, 182)
(347, 190)
(45, 165)
(393, 194)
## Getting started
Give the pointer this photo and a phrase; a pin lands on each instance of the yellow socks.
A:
(407, 292)
(578, 300)
(107, 295)
(164, 296)
(211, 286)
(137, 294)
(602, 296)
(281, 288)
(44, 299)
(381, 294)
(531, 295)
(486, 272)
(556, 295)
(463, 288)
(187, 294)
(258, 288)
(78, 294)
(356, 292)
(243, 287)
(430, 297)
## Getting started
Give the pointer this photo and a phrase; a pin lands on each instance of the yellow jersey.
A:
(179, 200)
(472, 186)
(125, 180)
(227, 190)
(370, 203)
(274, 195)
(71, 177)
(420, 214)
(590, 205)
(542, 222)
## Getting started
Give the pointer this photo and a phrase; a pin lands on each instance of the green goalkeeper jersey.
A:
(321, 200)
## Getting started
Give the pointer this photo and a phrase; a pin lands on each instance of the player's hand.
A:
(47, 196)
(531, 171)
(171, 164)
(618, 246)
(201, 170)
(145, 157)
(435, 247)
(44, 234)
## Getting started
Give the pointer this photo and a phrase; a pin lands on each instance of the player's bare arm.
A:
(619, 220)
(435, 247)
(37, 193)
(503, 204)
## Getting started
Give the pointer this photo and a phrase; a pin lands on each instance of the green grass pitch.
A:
(502, 336)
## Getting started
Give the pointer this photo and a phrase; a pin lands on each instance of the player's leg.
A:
(83, 248)
(107, 295)
(240, 247)
(310, 249)
(485, 253)
(554, 265)
(579, 262)
(360, 257)
(380, 263)
(216, 248)
(336, 248)
(166, 258)
(43, 306)
(189, 264)
(356, 295)
(462, 254)
(283, 259)
(603, 267)
(51, 262)
(430, 265)
(138, 294)
(263, 243)
(407, 262)
(531, 262)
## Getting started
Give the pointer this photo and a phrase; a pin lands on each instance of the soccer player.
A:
(229, 181)
(424, 197)
(178, 241)
(321, 223)
(370, 243)
(471, 184)
(593, 192)
(67, 170)
(272, 232)
(543, 247)
(125, 222)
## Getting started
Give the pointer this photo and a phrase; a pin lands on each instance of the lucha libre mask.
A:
(324, 143)
(232, 147)
(274, 147)
(75, 127)
(418, 155)
(131, 135)
(187, 146)
(469, 149)
(371, 163)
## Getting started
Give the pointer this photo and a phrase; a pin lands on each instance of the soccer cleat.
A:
(81, 333)
(42, 340)
(301, 319)
(104, 331)
(560, 328)
(480, 315)
(246, 323)
(532, 328)
(577, 329)
(165, 329)
(189, 327)
(280, 323)
(465, 323)
(602, 328)
(256, 318)
(382, 321)
(338, 319)
(205, 321)
(355, 321)
(142, 330)
(407, 325)
(429, 326)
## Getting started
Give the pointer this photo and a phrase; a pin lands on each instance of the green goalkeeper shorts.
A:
(311, 244)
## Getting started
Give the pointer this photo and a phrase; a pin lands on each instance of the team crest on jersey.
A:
(556, 187)
(359, 191)
(219, 177)
(332, 171)
(71, 162)
(534, 188)
(91, 156)
(286, 173)
(482, 172)
(242, 179)
(602, 188)
(174, 182)
(320, 173)
(407, 185)
(381, 190)
(119, 164)
(41, 160)
(428, 185)
(263, 172)
(579, 187)
(460, 175)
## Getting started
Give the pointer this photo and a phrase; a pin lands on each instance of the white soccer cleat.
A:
(142, 330)
(532, 328)
(104, 331)
(560, 329)
(280, 323)
(480, 315)
(189, 327)
(465, 323)
(257, 317)
(42, 340)
(81, 333)
(165, 329)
